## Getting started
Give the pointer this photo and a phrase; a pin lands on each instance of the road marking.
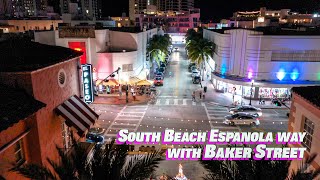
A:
(205, 108)
(158, 102)
(167, 101)
(168, 96)
(225, 127)
(184, 102)
(194, 103)
(202, 104)
(176, 101)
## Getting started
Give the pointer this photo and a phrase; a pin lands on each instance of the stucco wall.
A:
(47, 90)
(45, 37)
(301, 109)
(241, 51)
(123, 40)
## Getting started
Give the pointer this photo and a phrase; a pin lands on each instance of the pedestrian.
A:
(260, 99)
(203, 96)
(193, 96)
(200, 95)
(134, 96)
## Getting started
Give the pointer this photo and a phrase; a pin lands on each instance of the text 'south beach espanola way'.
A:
(215, 145)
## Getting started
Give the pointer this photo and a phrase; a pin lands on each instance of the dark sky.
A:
(218, 9)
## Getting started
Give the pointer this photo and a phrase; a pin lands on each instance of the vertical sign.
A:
(87, 83)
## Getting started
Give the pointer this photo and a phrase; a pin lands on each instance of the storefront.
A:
(246, 89)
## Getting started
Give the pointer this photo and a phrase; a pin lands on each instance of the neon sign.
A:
(87, 83)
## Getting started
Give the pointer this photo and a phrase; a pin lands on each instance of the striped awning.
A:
(77, 114)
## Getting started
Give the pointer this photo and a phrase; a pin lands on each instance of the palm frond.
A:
(34, 171)
(141, 166)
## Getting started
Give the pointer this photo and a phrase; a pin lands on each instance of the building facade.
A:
(30, 25)
(275, 61)
(106, 50)
(82, 9)
(305, 117)
(23, 8)
(52, 83)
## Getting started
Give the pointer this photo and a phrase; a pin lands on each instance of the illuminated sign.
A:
(76, 32)
(87, 83)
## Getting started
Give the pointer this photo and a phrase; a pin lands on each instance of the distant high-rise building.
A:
(175, 5)
(85, 8)
(23, 8)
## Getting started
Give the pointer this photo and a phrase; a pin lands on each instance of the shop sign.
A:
(76, 32)
(87, 83)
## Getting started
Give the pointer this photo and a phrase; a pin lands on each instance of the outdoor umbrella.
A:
(145, 82)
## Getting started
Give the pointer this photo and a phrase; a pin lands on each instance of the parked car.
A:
(195, 72)
(176, 49)
(161, 74)
(247, 109)
(161, 69)
(95, 135)
(192, 68)
(196, 79)
(158, 81)
(242, 119)
(190, 65)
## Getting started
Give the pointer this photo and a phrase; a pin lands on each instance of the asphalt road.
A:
(174, 109)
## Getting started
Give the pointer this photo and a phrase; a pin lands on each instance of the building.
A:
(82, 9)
(175, 16)
(305, 117)
(23, 8)
(106, 49)
(275, 59)
(41, 91)
(23, 25)
(265, 17)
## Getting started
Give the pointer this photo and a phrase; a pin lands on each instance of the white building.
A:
(276, 61)
(105, 49)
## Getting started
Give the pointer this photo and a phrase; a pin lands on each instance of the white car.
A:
(242, 119)
(246, 109)
(195, 72)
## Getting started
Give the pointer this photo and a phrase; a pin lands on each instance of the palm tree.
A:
(111, 162)
(304, 171)
(199, 51)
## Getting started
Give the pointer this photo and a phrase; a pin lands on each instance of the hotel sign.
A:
(87, 83)
(76, 32)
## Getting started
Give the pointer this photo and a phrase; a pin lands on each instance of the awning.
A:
(132, 81)
(77, 114)
(111, 82)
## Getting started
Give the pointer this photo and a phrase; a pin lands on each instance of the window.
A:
(66, 136)
(62, 78)
(17, 28)
(18, 152)
(308, 128)
(127, 67)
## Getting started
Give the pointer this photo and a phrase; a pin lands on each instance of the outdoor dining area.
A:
(113, 87)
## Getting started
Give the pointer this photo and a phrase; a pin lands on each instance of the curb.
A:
(229, 106)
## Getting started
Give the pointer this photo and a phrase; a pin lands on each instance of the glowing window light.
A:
(318, 76)
(295, 74)
(281, 74)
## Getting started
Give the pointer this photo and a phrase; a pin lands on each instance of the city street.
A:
(174, 109)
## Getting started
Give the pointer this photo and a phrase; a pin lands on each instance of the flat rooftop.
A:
(306, 31)
(20, 55)
(310, 93)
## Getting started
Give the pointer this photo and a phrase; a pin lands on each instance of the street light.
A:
(252, 81)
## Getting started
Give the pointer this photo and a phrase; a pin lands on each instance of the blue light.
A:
(281, 74)
(295, 74)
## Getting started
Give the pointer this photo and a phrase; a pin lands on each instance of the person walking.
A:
(200, 94)
(134, 96)
(193, 96)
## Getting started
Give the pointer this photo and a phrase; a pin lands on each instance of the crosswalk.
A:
(129, 118)
(176, 102)
(216, 116)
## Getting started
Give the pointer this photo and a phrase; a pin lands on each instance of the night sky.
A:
(216, 10)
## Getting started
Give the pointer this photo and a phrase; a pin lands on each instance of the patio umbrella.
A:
(145, 82)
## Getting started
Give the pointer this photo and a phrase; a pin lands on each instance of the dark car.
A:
(95, 135)
(196, 79)
(190, 65)
(161, 70)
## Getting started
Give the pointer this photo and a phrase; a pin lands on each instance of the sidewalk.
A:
(225, 99)
(116, 100)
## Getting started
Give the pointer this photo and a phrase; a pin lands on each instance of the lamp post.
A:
(127, 93)
(252, 81)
